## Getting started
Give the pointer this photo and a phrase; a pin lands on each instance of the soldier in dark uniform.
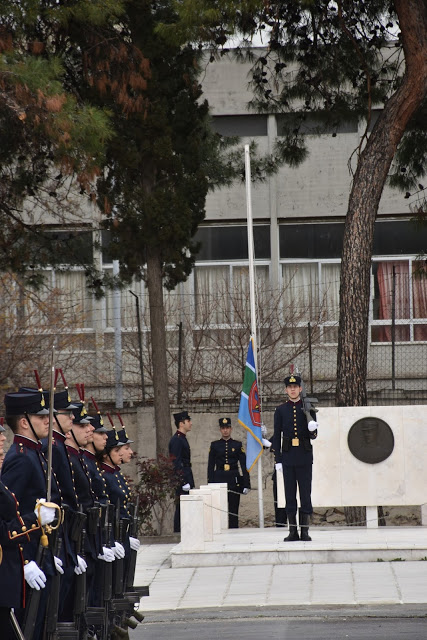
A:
(92, 452)
(225, 456)
(126, 455)
(116, 489)
(15, 531)
(61, 464)
(80, 433)
(293, 453)
(179, 450)
(24, 472)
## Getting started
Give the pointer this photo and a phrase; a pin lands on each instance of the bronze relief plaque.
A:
(371, 440)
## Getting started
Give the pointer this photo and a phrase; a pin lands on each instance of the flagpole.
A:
(252, 306)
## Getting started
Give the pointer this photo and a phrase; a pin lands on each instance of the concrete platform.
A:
(266, 547)
(288, 578)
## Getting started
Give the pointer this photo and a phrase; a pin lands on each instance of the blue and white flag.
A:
(250, 410)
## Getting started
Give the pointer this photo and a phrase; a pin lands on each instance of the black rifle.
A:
(77, 536)
(107, 511)
(33, 599)
(119, 563)
(308, 404)
(53, 601)
(133, 531)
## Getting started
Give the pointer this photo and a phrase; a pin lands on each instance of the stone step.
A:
(329, 545)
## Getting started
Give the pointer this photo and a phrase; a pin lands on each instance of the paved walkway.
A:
(319, 584)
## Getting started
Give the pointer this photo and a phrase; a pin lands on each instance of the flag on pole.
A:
(250, 410)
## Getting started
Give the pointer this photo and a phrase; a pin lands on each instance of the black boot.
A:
(293, 531)
(304, 521)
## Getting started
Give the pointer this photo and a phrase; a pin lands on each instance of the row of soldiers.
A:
(79, 577)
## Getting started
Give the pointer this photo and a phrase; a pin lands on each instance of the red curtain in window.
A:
(419, 288)
(385, 286)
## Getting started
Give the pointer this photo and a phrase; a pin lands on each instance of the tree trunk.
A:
(369, 179)
(158, 346)
(355, 516)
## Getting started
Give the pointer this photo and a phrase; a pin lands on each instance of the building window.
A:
(230, 242)
(311, 294)
(221, 294)
(399, 301)
(243, 126)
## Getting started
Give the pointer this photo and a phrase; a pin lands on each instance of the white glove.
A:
(312, 425)
(118, 550)
(34, 576)
(58, 565)
(278, 466)
(107, 555)
(81, 566)
(263, 429)
(266, 443)
(186, 487)
(47, 514)
(134, 543)
(245, 491)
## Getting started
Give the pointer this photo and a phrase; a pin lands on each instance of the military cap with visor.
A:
(181, 417)
(21, 403)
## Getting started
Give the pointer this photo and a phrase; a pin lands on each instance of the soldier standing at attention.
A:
(225, 456)
(293, 453)
(15, 530)
(24, 473)
(179, 450)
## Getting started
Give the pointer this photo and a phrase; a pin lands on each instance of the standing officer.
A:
(179, 450)
(293, 453)
(225, 456)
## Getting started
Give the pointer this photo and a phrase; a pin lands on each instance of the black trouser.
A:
(7, 632)
(300, 475)
(233, 507)
(177, 516)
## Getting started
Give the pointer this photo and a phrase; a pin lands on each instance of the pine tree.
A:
(46, 136)
(333, 61)
(161, 162)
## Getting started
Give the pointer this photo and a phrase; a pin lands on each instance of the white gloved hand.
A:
(58, 565)
(278, 466)
(107, 555)
(46, 515)
(134, 543)
(266, 443)
(245, 491)
(263, 430)
(81, 566)
(186, 487)
(34, 576)
(312, 425)
(118, 550)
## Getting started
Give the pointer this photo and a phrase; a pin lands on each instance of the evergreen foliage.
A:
(47, 136)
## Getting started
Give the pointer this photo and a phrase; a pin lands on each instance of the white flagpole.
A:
(252, 306)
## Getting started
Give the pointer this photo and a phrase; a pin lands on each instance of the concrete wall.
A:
(339, 479)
